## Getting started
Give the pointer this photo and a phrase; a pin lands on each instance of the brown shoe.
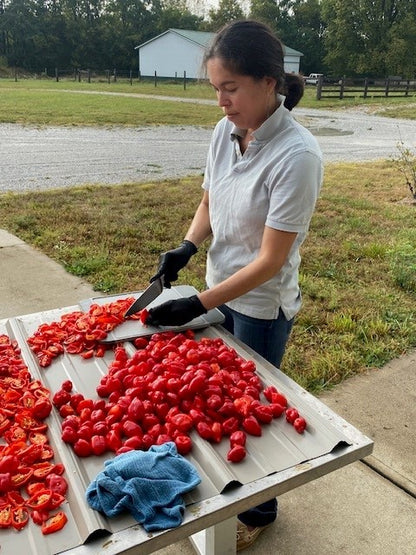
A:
(246, 537)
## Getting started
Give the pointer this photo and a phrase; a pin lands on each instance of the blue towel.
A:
(148, 484)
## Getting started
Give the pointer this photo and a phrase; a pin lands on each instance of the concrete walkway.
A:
(366, 508)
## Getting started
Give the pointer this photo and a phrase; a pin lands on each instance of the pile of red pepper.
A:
(31, 484)
(79, 332)
(172, 385)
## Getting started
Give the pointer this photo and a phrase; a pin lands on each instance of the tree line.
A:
(336, 37)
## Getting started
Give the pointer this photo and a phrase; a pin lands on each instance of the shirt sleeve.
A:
(294, 188)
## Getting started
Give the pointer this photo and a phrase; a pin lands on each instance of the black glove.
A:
(176, 312)
(172, 261)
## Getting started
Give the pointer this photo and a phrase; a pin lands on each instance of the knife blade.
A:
(148, 295)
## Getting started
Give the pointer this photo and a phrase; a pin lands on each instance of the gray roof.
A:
(291, 51)
(200, 38)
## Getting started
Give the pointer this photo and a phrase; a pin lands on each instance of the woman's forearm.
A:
(200, 228)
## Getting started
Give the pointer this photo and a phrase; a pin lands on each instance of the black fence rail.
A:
(96, 76)
(365, 88)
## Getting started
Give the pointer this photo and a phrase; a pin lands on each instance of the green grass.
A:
(47, 102)
(358, 264)
(26, 104)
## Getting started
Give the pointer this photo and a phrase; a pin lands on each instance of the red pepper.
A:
(82, 448)
(41, 408)
(54, 523)
(230, 425)
(238, 438)
(56, 500)
(40, 499)
(33, 487)
(56, 483)
(5, 482)
(61, 397)
(22, 476)
(16, 500)
(20, 517)
(252, 426)
(143, 316)
(263, 413)
(8, 463)
(39, 517)
(38, 437)
(300, 424)
(204, 430)
(183, 444)
(98, 445)
(291, 414)
(236, 453)
(277, 409)
(6, 516)
(42, 469)
(243, 404)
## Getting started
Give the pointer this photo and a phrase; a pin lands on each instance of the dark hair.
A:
(248, 47)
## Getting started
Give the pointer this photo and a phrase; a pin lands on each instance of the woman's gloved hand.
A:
(172, 261)
(176, 312)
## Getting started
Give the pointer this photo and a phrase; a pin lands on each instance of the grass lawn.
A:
(358, 272)
(47, 102)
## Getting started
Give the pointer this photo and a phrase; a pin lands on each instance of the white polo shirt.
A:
(276, 183)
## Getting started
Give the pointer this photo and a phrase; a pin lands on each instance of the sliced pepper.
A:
(40, 499)
(22, 476)
(42, 469)
(20, 517)
(16, 500)
(6, 516)
(54, 523)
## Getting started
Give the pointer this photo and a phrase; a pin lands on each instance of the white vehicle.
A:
(313, 78)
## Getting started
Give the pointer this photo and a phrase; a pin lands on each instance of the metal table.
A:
(209, 522)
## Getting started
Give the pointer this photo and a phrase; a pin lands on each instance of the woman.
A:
(263, 176)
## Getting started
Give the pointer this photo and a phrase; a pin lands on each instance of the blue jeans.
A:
(268, 338)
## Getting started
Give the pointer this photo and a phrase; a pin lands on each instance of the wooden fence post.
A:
(89, 75)
(319, 87)
(184, 80)
(155, 79)
(365, 87)
(341, 89)
(56, 74)
(131, 77)
(386, 92)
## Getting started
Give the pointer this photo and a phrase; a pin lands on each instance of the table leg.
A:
(219, 539)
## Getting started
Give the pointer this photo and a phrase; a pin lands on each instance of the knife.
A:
(149, 295)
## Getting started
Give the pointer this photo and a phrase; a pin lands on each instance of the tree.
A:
(359, 32)
(228, 10)
(401, 53)
(175, 14)
(343, 39)
(266, 11)
(304, 32)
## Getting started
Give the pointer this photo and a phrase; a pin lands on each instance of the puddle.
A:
(328, 131)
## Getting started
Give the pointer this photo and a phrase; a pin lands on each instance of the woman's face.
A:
(245, 101)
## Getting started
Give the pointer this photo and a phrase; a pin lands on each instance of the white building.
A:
(177, 51)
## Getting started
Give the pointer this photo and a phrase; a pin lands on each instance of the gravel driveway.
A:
(52, 157)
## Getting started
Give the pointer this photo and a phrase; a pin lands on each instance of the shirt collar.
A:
(268, 128)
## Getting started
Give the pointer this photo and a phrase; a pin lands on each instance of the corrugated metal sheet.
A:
(279, 448)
